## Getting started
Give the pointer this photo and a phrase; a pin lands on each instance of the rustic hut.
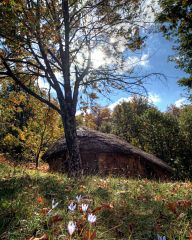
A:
(107, 154)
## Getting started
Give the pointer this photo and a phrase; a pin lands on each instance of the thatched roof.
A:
(95, 141)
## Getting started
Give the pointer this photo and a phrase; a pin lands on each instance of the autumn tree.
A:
(57, 41)
(14, 114)
(27, 126)
(175, 21)
(101, 115)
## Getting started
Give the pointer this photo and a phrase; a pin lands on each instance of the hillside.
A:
(125, 208)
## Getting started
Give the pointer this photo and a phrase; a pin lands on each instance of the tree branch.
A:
(28, 90)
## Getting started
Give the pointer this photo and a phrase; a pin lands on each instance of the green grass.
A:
(141, 208)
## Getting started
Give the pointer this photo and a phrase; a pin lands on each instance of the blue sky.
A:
(163, 92)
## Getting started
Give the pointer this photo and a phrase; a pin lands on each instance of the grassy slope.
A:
(142, 208)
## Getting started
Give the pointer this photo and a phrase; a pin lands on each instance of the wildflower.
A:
(71, 227)
(92, 218)
(54, 204)
(160, 238)
(72, 206)
(78, 198)
(84, 207)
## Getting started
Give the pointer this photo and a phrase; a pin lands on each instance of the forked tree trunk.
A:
(74, 158)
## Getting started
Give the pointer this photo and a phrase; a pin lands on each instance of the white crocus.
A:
(84, 207)
(71, 227)
(78, 198)
(54, 204)
(92, 218)
(72, 207)
(160, 238)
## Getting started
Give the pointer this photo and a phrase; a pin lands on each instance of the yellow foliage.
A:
(21, 136)
(10, 140)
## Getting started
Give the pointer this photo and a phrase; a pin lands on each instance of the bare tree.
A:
(79, 47)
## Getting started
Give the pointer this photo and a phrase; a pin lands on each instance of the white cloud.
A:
(79, 112)
(113, 105)
(144, 61)
(180, 102)
(149, 9)
(154, 98)
(99, 58)
(135, 61)
(43, 84)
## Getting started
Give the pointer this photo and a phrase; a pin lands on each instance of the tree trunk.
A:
(40, 146)
(74, 158)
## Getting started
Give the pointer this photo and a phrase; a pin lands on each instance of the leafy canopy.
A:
(60, 41)
(176, 24)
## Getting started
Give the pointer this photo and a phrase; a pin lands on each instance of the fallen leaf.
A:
(44, 211)
(80, 224)
(44, 237)
(107, 206)
(87, 199)
(172, 206)
(40, 200)
(82, 188)
(89, 235)
(190, 235)
(103, 184)
(181, 215)
(55, 219)
(97, 209)
(159, 198)
(103, 206)
(184, 203)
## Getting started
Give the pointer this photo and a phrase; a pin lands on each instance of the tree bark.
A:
(73, 156)
(40, 146)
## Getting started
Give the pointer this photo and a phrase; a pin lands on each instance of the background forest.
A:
(28, 127)
(165, 134)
